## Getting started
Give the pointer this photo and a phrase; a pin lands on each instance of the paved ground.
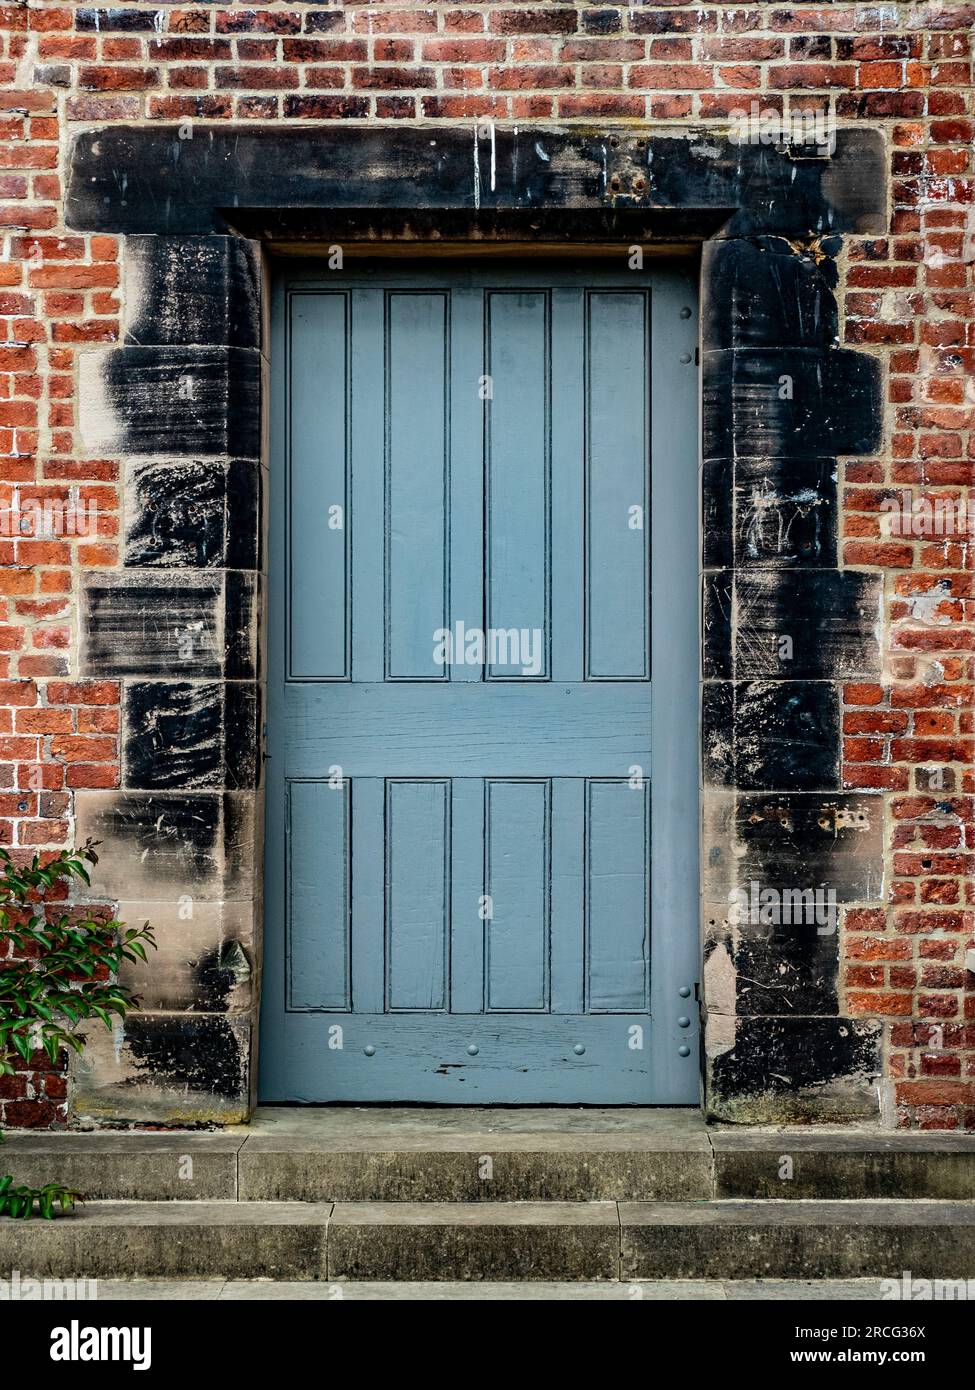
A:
(678, 1291)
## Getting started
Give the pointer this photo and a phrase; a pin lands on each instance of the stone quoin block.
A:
(764, 735)
(717, 514)
(766, 292)
(716, 625)
(197, 625)
(790, 969)
(763, 513)
(190, 735)
(193, 514)
(790, 401)
(205, 960)
(795, 1069)
(173, 401)
(806, 624)
(168, 844)
(192, 290)
(168, 1067)
(794, 839)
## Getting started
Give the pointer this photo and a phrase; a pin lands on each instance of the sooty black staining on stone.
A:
(195, 515)
(175, 515)
(243, 714)
(202, 1054)
(192, 291)
(153, 625)
(200, 843)
(804, 840)
(200, 625)
(172, 735)
(779, 402)
(769, 735)
(172, 401)
(716, 626)
(807, 624)
(217, 974)
(763, 513)
(176, 186)
(243, 536)
(779, 1058)
(790, 401)
(787, 735)
(242, 597)
(788, 969)
(156, 625)
(174, 838)
(766, 293)
(785, 513)
(717, 519)
(718, 733)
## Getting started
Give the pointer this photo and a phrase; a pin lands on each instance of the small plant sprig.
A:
(58, 970)
(57, 974)
(21, 1201)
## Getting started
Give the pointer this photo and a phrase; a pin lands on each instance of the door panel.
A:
(462, 782)
(617, 482)
(417, 507)
(518, 471)
(318, 633)
(417, 894)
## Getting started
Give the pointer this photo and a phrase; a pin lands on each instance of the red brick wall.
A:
(907, 297)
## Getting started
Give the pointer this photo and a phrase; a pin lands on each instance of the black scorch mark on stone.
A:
(201, 1054)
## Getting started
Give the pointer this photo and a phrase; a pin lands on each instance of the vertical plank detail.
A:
(468, 928)
(517, 833)
(617, 896)
(617, 481)
(368, 895)
(417, 894)
(319, 927)
(517, 539)
(317, 481)
(417, 473)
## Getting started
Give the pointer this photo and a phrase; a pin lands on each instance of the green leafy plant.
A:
(58, 970)
(21, 1201)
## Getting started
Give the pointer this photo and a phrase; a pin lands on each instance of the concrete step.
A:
(477, 1168)
(127, 1166)
(497, 1241)
(797, 1239)
(837, 1165)
(436, 1162)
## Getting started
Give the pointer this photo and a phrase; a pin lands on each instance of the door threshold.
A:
(372, 1121)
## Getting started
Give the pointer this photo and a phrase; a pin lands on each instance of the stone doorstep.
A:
(497, 1241)
(350, 1154)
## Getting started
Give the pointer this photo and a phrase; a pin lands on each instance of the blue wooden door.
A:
(482, 722)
